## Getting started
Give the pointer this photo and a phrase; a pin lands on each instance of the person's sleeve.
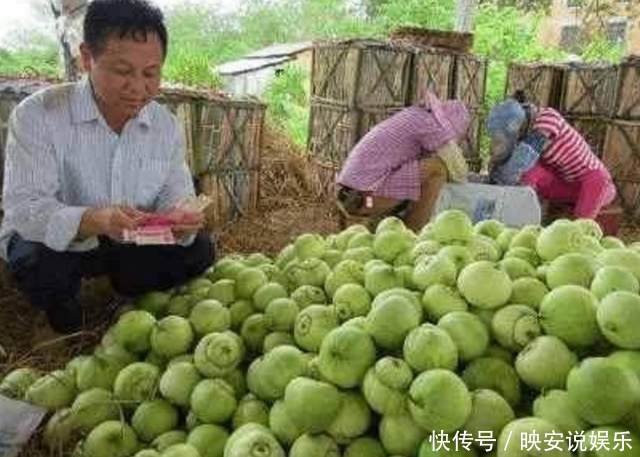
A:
(179, 182)
(32, 183)
(548, 125)
(537, 140)
(524, 158)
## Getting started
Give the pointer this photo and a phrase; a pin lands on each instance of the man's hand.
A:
(189, 225)
(110, 221)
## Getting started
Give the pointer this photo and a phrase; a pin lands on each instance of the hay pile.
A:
(291, 202)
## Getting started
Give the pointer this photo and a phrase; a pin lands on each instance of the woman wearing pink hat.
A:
(399, 167)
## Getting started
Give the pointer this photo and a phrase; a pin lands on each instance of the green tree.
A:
(524, 5)
(504, 35)
(30, 53)
(288, 100)
(601, 49)
(374, 7)
(198, 40)
(264, 22)
(438, 14)
(335, 19)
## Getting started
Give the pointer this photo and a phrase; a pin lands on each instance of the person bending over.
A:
(399, 167)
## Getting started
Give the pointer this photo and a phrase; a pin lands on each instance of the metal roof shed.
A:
(252, 74)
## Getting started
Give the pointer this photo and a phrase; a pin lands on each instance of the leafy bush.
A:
(419, 13)
(288, 99)
(34, 54)
(599, 49)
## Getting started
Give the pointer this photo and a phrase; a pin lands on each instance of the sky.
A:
(20, 14)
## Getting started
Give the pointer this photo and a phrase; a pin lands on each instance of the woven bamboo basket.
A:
(384, 75)
(322, 178)
(333, 131)
(362, 73)
(469, 80)
(541, 83)
(628, 99)
(622, 158)
(334, 72)
(229, 156)
(589, 90)
(433, 72)
(182, 107)
(449, 40)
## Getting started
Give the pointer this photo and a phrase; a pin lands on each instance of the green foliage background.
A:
(200, 38)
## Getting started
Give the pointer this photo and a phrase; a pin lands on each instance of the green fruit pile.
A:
(366, 344)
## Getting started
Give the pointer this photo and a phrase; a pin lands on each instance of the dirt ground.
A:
(290, 204)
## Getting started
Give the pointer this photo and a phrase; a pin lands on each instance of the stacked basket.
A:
(358, 83)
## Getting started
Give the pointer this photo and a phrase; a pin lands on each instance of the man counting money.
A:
(90, 161)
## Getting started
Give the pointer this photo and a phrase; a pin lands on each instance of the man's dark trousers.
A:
(51, 280)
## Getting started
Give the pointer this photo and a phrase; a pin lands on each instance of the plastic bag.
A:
(18, 421)
(515, 206)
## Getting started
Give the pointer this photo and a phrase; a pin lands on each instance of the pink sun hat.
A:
(451, 115)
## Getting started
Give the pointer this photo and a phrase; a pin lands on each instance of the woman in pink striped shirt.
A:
(539, 148)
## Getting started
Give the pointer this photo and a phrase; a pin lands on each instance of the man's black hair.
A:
(124, 18)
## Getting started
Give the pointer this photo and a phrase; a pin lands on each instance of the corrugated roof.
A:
(275, 54)
(281, 50)
(248, 65)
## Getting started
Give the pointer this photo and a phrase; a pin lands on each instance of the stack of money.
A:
(149, 235)
(158, 228)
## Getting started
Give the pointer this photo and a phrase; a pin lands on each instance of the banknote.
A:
(149, 235)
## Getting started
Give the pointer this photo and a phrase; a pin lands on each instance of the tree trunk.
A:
(69, 15)
(465, 13)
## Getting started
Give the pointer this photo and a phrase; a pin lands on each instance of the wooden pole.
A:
(465, 14)
(69, 15)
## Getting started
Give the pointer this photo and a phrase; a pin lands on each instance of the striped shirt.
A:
(568, 152)
(386, 161)
(62, 158)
